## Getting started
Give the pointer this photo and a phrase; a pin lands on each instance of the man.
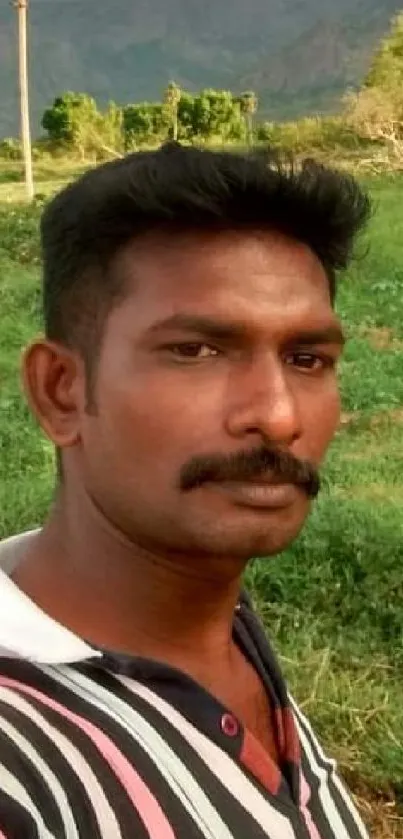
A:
(187, 379)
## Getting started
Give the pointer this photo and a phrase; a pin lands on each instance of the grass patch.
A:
(49, 176)
(333, 603)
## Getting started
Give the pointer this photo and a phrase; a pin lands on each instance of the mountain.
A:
(299, 55)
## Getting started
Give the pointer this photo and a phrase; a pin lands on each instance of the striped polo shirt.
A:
(97, 745)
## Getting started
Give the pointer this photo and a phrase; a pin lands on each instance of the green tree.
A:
(386, 69)
(249, 105)
(378, 116)
(186, 117)
(111, 136)
(71, 120)
(376, 111)
(172, 98)
(144, 123)
(217, 116)
(75, 121)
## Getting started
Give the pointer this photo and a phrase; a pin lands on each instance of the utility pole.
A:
(21, 6)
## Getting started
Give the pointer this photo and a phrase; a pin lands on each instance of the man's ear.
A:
(54, 384)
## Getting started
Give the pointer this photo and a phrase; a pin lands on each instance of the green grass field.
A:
(334, 603)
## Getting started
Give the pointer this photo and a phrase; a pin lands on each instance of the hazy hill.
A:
(299, 55)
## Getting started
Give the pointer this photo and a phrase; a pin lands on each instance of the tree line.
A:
(75, 121)
(371, 115)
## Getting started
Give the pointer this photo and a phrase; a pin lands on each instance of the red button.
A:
(229, 725)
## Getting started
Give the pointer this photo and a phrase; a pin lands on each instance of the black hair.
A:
(85, 226)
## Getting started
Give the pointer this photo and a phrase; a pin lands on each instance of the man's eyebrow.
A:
(230, 331)
(328, 335)
(224, 330)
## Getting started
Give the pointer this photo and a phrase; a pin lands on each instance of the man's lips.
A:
(264, 493)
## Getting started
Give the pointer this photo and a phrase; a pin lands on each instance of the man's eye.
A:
(309, 361)
(192, 350)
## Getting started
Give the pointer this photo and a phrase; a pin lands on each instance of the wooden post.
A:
(21, 6)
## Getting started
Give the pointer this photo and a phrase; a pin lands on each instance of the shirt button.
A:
(229, 725)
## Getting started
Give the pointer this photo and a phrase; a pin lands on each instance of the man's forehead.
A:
(241, 263)
(228, 317)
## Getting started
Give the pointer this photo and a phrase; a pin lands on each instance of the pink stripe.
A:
(147, 806)
(304, 799)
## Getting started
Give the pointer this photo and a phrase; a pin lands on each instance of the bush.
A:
(19, 237)
(10, 149)
(310, 134)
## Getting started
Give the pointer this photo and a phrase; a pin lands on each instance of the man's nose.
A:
(262, 402)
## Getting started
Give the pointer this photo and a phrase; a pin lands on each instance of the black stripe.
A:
(83, 808)
(231, 811)
(344, 813)
(175, 813)
(136, 756)
(314, 805)
(239, 822)
(15, 821)
(179, 690)
(80, 803)
(21, 767)
(351, 824)
(77, 795)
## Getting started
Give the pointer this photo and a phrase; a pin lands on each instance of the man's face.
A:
(225, 347)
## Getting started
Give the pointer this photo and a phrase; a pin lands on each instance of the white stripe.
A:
(103, 812)
(335, 778)
(225, 769)
(50, 778)
(324, 775)
(12, 787)
(184, 785)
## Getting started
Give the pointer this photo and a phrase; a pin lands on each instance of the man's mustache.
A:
(248, 465)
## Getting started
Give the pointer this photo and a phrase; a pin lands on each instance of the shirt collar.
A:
(25, 630)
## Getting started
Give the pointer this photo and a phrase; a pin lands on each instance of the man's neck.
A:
(97, 583)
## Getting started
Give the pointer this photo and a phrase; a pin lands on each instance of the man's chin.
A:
(262, 546)
(250, 536)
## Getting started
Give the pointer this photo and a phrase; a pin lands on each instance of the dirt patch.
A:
(381, 818)
(392, 415)
(379, 810)
(378, 419)
(382, 338)
(372, 492)
(347, 418)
